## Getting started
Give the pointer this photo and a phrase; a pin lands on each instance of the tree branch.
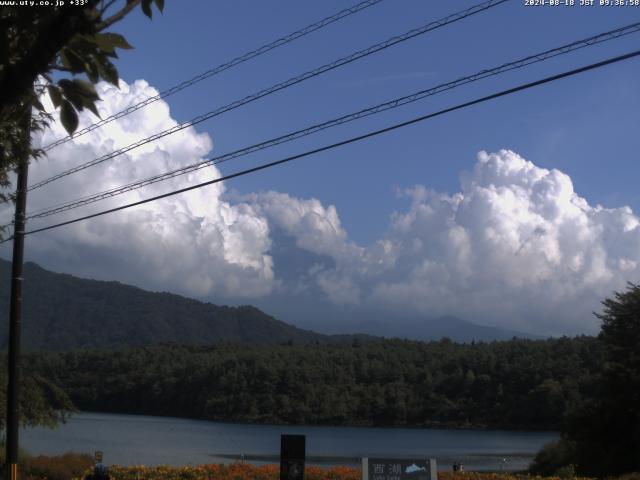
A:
(55, 32)
(117, 16)
(104, 7)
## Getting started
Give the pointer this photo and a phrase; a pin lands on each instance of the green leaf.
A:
(65, 83)
(86, 89)
(92, 108)
(107, 42)
(83, 44)
(108, 70)
(76, 101)
(72, 94)
(68, 117)
(105, 46)
(36, 103)
(67, 87)
(71, 60)
(160, 5)
(146, 8)
(113, 54)
(83, 95)
(56, 96)
(91, 69)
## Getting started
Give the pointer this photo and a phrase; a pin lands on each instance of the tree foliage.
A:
(35, 42)
(41, 401)
(38, 43)
(514, 384)
(601, 434)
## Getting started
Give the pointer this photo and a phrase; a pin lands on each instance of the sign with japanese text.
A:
(398, 469)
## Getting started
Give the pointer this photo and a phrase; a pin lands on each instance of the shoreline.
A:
(441, 426)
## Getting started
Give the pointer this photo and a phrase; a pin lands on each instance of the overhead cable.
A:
(505, 67)
(396, 126)
(221, 68)
(282, 85)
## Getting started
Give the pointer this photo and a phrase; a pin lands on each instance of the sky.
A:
(520, 212)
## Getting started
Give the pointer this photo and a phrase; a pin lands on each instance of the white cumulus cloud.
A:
(194, 243)
(516, 246)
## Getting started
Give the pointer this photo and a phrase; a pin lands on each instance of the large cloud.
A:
(515, 247)
(194, 243)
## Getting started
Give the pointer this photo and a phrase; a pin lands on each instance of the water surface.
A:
(146, 440)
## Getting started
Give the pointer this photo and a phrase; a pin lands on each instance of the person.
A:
(100, 472)
(455, 467)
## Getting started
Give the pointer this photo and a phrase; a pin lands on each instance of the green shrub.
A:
(566, 472)
(630, 476)
(553, 458)
(62, 467)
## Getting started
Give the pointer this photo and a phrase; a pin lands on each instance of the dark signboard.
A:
(292, 455)
(398, 469)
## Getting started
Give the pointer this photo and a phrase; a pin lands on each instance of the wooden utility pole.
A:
(15, 311)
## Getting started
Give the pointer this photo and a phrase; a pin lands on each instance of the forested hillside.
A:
(514, 384)
(63, 312)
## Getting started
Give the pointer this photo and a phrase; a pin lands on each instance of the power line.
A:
(396, 126)
(282, 85)
(531, 59)
(221, 68)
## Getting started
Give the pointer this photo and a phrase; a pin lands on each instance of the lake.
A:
(146, 440)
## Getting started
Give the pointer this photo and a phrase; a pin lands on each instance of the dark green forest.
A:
(515, 384)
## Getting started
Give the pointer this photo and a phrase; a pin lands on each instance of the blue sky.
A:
(541, 227)
(587, 126)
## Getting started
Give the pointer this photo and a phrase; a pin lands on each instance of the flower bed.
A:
(239, 471)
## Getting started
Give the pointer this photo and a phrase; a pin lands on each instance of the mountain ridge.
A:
(63, 312)
(436, 328)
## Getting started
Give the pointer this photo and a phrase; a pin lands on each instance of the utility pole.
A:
(15, 311)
